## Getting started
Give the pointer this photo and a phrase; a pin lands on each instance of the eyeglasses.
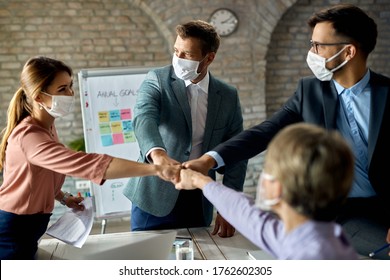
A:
(314, 45)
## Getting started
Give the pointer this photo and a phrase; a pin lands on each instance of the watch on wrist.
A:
(65, 197)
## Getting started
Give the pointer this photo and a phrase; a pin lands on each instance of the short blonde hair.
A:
(315, 168)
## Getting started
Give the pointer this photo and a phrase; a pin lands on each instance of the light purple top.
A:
(311, 240)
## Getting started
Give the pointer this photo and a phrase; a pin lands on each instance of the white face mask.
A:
(61, 105)
(262, 201)
(317, 65)
(186, 69)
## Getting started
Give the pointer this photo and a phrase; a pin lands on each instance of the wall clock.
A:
(225, 21)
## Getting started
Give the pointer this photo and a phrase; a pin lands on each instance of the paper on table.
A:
(74, 226)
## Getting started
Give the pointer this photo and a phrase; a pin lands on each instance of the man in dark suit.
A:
(181, 112)
(344, 95)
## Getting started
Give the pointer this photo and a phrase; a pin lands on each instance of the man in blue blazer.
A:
(347, 96)
(181, 112)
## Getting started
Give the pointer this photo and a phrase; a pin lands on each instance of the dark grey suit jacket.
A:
(316, 102)
(162, 118)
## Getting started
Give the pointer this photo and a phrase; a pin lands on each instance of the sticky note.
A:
(126, 114)
(103, 116)
(127, 126)
(104, 128)
(115, 115)
(129, 137)
(118, 138)
(116, 127)
(106, 140)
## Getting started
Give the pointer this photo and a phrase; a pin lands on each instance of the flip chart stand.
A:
(107, 97)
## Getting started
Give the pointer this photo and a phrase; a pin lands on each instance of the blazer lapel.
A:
(213, 107)
(378, 104)
(179, 90)
(330, 104)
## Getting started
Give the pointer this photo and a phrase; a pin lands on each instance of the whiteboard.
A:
(107, 97)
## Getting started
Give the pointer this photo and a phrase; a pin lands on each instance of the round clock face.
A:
(224, 21)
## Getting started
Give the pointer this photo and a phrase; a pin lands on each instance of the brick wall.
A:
(264, 58)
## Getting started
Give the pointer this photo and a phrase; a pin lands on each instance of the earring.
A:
(40, 107)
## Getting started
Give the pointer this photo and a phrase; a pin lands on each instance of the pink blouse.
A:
(35, 167)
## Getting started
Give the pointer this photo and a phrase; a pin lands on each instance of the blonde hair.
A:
(37, 74)
(315, 168)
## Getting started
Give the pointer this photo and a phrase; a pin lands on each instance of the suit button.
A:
(187, 153)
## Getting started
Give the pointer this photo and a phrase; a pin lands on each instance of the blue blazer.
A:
(162, 118)
(316, 102)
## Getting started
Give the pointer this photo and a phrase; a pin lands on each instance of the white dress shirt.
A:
(197, 97)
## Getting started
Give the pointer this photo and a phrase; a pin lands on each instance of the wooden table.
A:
(213, 247)
(206, 245)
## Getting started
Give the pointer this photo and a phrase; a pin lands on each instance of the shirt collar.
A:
(203, 84)
(356, 88)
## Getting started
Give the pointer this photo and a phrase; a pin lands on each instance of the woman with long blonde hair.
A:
(35, 163)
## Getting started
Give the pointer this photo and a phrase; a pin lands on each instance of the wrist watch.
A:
(65, 197)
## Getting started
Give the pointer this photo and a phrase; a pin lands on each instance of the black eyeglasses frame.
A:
(314, 45)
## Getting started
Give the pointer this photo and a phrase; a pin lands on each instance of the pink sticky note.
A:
(126, 114)
(118, 138)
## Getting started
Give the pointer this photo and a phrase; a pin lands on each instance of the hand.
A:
(74, 203)
(168, 169)
(160, 157)
(222, 227)
(169, 172)
(388, 238)
(185, 181)
(202, 164)
(190, 180)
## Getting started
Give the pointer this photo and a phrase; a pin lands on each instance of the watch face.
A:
(224, 21)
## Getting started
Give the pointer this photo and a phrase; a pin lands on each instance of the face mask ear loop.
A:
(199, 64)
(336, 55)
(338, 67)
(44, 106)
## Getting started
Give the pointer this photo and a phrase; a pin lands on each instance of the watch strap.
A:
(65, 197)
